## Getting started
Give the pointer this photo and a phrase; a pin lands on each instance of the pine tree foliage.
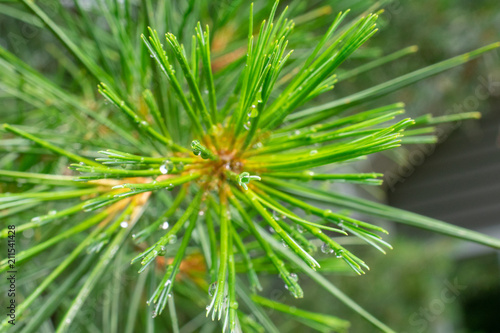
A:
(201, 165)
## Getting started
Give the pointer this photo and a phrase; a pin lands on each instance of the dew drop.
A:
(53, 212)
(258, 145)
(339, 254)
(163, 251)
(212, 288)
(201, 213)
(166, 167)
(167, 283)
(253, 112)
(28, 233)
(124, 224)
(179, 166)
(164, 225)
(313, 152)
(271, 230)
(172, 239)
(36, 219)
(285, 245)
(154, 314)
(294, 277)
(325, 248)
(299, 228)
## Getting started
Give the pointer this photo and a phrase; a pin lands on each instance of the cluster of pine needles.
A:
(207, 168)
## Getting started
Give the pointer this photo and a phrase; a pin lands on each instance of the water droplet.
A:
(247, 125)
(339, 254)
(28, 233)
(163, 251)
(81, 163)
(36, 219)
(201, 213)
(327, 212)
(253, 112)
(166, 167)
(164, 225)
(172, 239)
(299, 228)
(284, 243)
(276, 216)
(167, 283)
(53, 212)
(154, 314)
(258, 145)
(325, 248)
(212, 288)
(297, 132)
(124, 224)
(271, 230)
(68, 321)
(294, 277)
(195, 147)
(179, 166)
